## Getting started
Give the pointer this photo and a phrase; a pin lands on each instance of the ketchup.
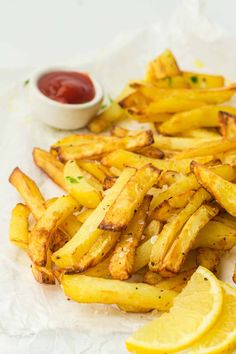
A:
(67, 87)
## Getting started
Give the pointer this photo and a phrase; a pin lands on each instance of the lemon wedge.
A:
(194, 312)
(222, 337)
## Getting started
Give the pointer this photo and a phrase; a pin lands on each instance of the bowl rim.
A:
(75, 106)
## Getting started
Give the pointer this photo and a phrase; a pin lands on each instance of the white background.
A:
(38, 32)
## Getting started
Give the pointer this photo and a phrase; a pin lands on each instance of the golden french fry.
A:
(133, 309)
(193, 119)
(80, 186)
(117, 217)
(152, 278)
(173, 227)
(81, 139)
(172, 104)
(178, 251)
(181, 200)
(222, 190)
(29, 192)
(189, 182)
(92, 151)
(151, 151)
(18, 233)
(213, 147)
(99, 250)
(164, 66)
(216, 235)
(163, 212)
(83, 215)
(227, 124)
(209, 258)
(69, 255)
(142, 255)
(201, 81)
(96, 169)
(178, 143)
(177, 282)
(44, 275)
(49, 165)
(151, 230)
(122, 260)
(101, 270)
(109, 182)
(168, 178)
(47, 225)
(122, 158)
(201, 133)
(85, 289)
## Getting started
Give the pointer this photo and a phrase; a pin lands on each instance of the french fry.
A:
(234, 275)
(172, 228)
(178, 251)
(152, 229)
(81, 139)
(172, 104)
(109, 182)
(213, 147)
(80, 187)
(194, 119)
(133, 309)
(101, 270)
(163, 66)
(96, 169)
(152, 278)
(216, 235)
(44, 275)
(47, 225)
(172, 82)
(142, 255)
(206, 96)
(91, 151)
(87, 289)
(151, 151)
(177, 282)
(201, 133)
(222, 190)
(50, 165)
(18, 233)
(181, 200)
(190, 183)
(69, 255)
(177, 143)
(209, 258)
(99, 250)
(117, 217)
(227, 124)
(201, 81)
(122, 158)
(29, 192)
(122, 260)
(168, 178)
(163, 212)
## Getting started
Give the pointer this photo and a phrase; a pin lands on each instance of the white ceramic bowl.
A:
(62, 115)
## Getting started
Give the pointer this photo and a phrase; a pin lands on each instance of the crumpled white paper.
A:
(39, 319)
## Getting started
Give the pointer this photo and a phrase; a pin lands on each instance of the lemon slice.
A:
(222, 337)
(195, 311)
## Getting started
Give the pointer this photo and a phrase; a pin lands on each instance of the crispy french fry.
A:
(18, 233)
(163, 212)
(222, 190)
(151, 151)
(227, 124)
(92, 151)
(172, 104)
(87, 289)
(122, 260)
(194, 119)
(181, 200)
(190, 183)
(183, 243)
(201, 81)
(121, 132)
(201, 133)
(177, 282)
(29, 192)
(81, 139)
(163, 66)
(99, 250)
(168, 178)
(169, 82)
(209, 258)
(133, 309)
(152, 278)
(172, 228)
(143, 253)
(206, 96)
(109, 182)
(44, 275)
(152, 229)
(117, 217)
(122, 158)
(177, 143)
(216, 235)
(96, 169)
(80, 187)
(47, 225)
(213, 147)
(70, 254)
(49, 165)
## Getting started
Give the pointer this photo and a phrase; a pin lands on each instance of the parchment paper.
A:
(39, 319)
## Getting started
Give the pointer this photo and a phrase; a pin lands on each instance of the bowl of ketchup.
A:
(64, 98)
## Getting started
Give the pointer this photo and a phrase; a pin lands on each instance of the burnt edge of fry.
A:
(13, 173)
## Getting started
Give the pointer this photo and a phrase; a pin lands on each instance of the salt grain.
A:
(153, 239)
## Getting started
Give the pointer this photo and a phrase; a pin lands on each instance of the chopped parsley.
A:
(74, 179)
(103, 106)
(26, 82)
(194, 79)
(169, 80)
(110, 99)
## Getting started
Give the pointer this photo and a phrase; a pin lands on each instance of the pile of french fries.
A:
(142, 208)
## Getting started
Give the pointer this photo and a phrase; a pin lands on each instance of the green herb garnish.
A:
(103, 106)
(26, 82)
(73, 179)
(194, 79)
(110, 99)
